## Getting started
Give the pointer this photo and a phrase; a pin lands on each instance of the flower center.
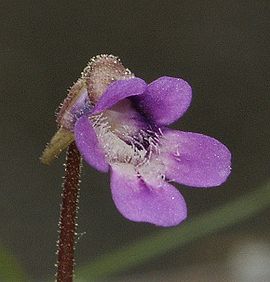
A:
(127, 139)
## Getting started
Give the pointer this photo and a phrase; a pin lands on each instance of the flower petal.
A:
(195, 159)
(119, 90)
(88, 144)
(165, 100)
(142, 202)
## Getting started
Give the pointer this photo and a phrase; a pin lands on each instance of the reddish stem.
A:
(68, 216)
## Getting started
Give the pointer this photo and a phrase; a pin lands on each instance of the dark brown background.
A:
(220, 47)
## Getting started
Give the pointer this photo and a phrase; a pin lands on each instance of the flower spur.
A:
(119, 124)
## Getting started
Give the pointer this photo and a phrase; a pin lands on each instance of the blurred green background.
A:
(220, 47)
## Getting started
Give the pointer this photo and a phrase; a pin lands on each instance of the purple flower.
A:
(120, 126)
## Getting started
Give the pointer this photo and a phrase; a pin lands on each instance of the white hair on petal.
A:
(141, 150)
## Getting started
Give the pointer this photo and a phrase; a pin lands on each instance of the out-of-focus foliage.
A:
(10, 270)
(169, 239)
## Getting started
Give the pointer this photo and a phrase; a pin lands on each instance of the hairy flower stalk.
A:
(68, 216)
